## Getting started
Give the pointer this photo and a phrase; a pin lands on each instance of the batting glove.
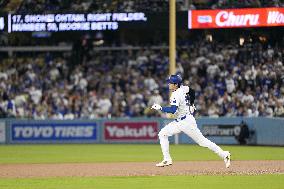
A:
(156, 107)
(192, 109)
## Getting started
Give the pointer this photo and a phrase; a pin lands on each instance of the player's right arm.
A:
(191, 98)
(191, 94)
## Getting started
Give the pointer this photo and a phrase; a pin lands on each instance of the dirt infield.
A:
(139, 169)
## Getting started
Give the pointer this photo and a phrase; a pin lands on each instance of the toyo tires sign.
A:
(49, 132)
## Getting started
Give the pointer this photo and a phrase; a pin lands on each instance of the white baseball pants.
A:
(189, 127)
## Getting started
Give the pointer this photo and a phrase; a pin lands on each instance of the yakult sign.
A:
(131, 131)
(236, 18)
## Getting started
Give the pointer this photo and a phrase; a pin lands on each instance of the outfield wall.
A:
(263, 131)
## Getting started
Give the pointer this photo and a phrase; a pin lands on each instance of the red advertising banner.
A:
(131, 131)
(236, 18)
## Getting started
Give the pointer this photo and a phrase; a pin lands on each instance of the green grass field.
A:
(136, 153)
(157, 182)
(127, 153)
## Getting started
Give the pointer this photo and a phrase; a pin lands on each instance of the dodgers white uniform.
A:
(184, 122)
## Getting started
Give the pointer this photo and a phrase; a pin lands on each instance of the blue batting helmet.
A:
(175, 79)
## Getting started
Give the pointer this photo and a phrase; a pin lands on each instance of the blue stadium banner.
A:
(54, 132)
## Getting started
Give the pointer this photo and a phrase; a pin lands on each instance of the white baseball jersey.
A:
(186, 123)
(179, 99)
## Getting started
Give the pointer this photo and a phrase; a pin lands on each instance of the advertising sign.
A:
(221, 130)
(131, 131)
(53, 132)
(236, 18)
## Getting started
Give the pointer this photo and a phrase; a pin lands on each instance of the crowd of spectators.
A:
(27, 6)
(236, 81)
(229, 80)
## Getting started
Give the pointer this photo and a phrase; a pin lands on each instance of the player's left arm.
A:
(170, 109)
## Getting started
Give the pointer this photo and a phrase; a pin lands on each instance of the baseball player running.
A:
(182, 107)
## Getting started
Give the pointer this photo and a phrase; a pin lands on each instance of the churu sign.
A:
(236, 18)
(70, 22)
(131, 131)
(54, 132)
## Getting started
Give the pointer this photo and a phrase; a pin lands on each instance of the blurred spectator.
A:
(155, 98)
(103, 106)
(279, 109)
